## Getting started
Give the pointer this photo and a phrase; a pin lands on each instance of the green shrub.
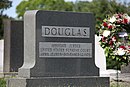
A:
(2, 82)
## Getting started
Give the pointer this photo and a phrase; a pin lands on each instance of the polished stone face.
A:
(59, 44)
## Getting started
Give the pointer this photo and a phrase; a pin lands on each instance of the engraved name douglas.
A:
(58, 31)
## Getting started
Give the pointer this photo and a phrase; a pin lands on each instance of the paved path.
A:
(122, 77)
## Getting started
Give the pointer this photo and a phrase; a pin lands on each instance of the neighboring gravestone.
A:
(13, 45)
(1, 54)
(59, 51)
(125, 69)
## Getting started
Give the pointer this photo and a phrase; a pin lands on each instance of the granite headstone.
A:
(59, 51)
(13, 45)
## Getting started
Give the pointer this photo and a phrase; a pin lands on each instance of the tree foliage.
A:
(57, 5)
(99, 7)
(4, 4)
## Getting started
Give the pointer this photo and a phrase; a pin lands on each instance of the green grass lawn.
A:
(120, 84)
(2, 82)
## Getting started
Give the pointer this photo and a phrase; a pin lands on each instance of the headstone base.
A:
(92, 81)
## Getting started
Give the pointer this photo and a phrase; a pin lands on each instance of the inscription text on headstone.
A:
(56, 49)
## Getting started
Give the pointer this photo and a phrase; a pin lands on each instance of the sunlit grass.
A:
(119, 84)
(2, 82)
